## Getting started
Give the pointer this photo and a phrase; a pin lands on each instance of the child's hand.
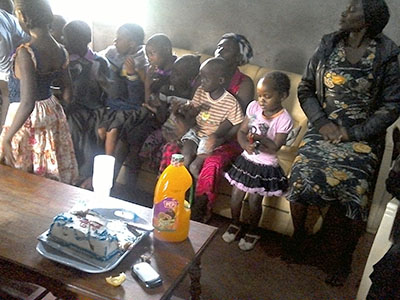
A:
(154, 101)
(7, 157)
(130, 65)
(249, 147)
(175, 107)
(150, 108)
(182, 109)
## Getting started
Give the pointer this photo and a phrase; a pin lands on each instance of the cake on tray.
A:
(91, 234)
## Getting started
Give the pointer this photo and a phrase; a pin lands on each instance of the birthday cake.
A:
(91, 234)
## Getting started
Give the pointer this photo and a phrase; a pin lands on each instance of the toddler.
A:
(183, 80)
(214, 110)
(257, 171)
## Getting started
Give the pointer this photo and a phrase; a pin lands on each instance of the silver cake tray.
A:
(81, 261)
(126, 216)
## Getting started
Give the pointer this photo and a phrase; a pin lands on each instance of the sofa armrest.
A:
(381, 197)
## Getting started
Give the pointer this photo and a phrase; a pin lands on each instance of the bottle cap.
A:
(177, 159)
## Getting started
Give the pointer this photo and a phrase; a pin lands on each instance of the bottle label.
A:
(165, 214)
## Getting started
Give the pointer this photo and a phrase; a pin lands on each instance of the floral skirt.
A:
(43, 144)
(324, 173)
(254, 178)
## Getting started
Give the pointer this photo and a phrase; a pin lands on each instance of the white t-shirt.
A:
(269, 127)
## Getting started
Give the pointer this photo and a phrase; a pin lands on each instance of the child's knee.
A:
(113, 133)
(101, 133)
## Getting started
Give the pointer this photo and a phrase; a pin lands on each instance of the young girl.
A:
(257, 170)
(36, 136)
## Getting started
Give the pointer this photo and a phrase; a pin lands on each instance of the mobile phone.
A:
(146, 274)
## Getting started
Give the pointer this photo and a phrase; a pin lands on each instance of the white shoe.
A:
(231, 233)
(246, 246)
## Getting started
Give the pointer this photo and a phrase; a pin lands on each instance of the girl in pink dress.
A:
(256, 171)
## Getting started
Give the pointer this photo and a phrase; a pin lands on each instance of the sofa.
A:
(276, 214)
(276, 211)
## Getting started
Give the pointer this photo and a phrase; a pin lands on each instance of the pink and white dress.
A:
(260, 172)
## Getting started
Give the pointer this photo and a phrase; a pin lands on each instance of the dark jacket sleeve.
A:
(307, 91)
(388, 107)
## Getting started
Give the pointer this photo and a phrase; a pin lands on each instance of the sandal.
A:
(231, 233)
(248, 242)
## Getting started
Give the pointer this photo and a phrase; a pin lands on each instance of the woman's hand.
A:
(331, 132)
(7, 156)
(345, 135)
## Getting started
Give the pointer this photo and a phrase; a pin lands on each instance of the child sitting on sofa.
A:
(183, 84)
(127, 72)
(138, 125)
(257, 171)
(89, 74)
(215, 112)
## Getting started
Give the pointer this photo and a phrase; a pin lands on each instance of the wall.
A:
(283, 33)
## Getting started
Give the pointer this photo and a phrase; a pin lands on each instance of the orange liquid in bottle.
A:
(171, 212)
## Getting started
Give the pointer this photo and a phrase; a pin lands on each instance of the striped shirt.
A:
(214, 112)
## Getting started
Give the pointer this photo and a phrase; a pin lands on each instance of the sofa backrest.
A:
(255, 73)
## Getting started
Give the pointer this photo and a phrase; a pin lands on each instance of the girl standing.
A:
(257, 170)
(36, 137)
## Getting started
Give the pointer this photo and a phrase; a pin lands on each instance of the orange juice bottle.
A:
(171, 212)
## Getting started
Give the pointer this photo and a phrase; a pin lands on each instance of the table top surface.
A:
(28, 206)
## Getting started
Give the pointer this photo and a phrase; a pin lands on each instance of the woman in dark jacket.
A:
(350, 92)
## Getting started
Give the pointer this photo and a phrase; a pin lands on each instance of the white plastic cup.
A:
(103, 174)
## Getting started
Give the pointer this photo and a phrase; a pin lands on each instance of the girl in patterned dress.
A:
(257, 171)
(350, 93)
(36, 136)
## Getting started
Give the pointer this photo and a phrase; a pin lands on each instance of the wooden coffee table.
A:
(29, 203)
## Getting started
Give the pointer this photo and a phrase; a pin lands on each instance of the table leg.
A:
(195, 274)
(10, 271)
